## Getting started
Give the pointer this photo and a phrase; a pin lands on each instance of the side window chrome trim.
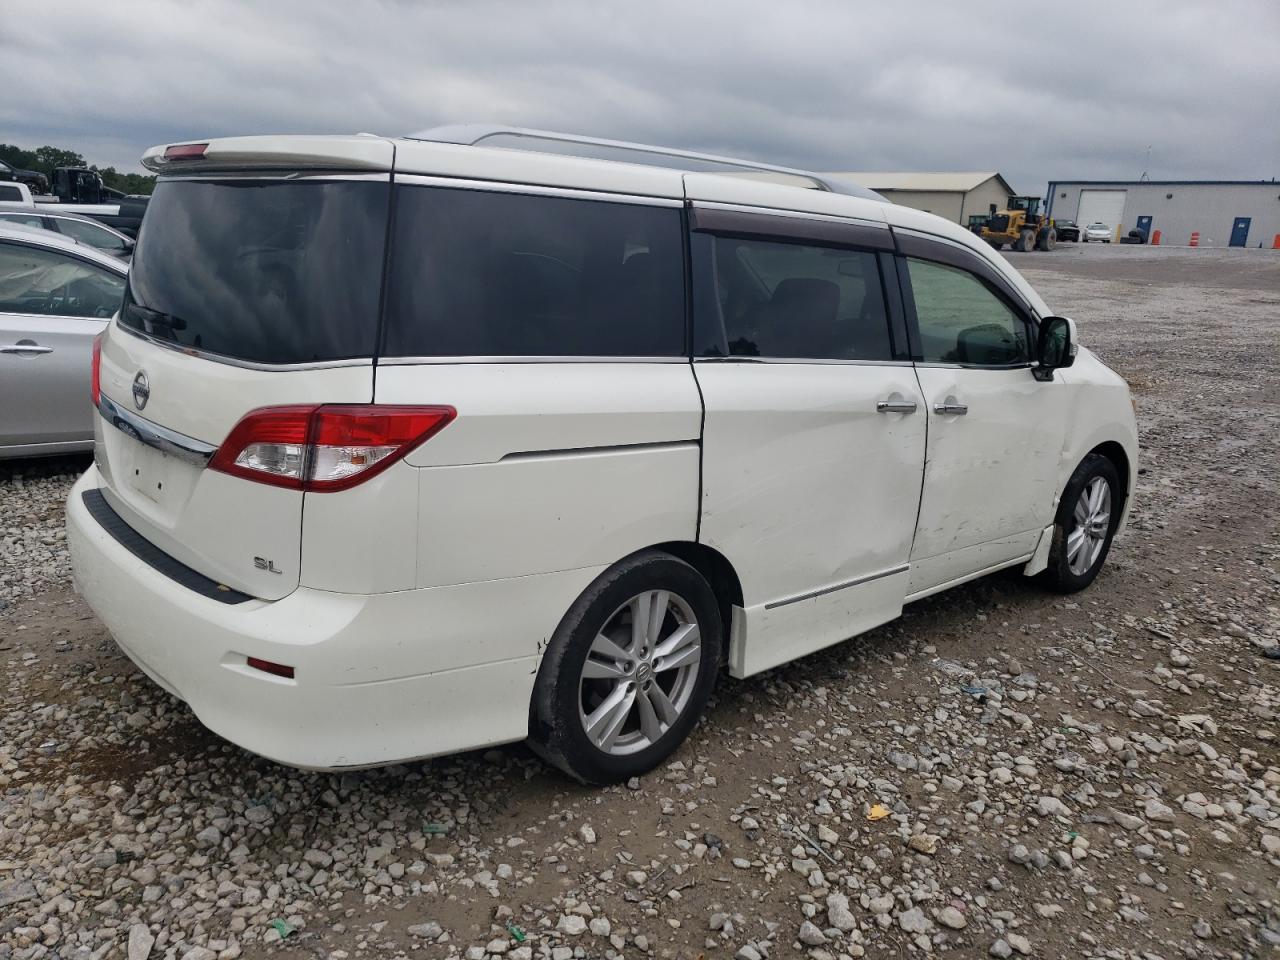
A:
(784, 225)
(415, 361)
(531, 189)
(781, 212)
(807, 361)
(940, 365)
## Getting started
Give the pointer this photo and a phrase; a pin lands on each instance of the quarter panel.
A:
(542, 514)
(363, 539)
(506, 408)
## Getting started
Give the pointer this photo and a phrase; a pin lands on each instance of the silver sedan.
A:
(56, 296)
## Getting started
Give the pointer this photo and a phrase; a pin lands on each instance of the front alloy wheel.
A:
(1086, 522)
(1092, 526)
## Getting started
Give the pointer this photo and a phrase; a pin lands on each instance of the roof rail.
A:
(472, 134)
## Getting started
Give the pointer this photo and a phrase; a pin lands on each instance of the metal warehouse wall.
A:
(1210, 208)
(980, 198)
(931, 201)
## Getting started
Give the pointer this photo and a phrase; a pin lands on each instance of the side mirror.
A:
(1056, 347)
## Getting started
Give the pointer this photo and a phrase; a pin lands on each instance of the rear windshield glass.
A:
(485, 274)
(264, 271)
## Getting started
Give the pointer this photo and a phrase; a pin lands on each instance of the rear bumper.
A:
(378, 678)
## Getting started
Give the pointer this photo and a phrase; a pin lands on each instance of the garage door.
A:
(1101, 206)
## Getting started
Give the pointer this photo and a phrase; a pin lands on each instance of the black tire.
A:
(1047, 239)
(556, 728)
(1059, 575)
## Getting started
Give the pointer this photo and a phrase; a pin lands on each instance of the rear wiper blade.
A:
(157, 318)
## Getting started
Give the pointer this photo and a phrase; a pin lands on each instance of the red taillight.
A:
(185, 151)
(95, 376)
(325, 448)
(267, 666)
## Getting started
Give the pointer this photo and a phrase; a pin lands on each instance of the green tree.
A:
(49, 157)
(17, 157)
(44, 159)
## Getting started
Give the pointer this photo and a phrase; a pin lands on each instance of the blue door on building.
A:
(1144, 224)
(1240, 231)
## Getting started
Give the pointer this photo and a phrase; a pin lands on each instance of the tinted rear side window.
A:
(486, 274)
(264, 271)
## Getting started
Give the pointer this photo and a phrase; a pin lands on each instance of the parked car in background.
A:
(1067, 230)
(123, 215)
(14, 194)
(630, 424)
(74, 225)
(56, 295)
(35, 181)
(1098, 232)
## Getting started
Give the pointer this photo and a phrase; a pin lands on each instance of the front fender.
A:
(1100, 412)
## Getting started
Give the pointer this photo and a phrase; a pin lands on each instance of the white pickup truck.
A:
(124, 216)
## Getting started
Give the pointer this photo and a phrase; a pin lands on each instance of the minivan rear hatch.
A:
(249, 288)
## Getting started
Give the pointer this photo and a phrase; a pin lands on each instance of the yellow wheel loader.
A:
(1021, 225)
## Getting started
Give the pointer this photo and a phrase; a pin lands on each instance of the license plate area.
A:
(151, 473)
(157, 485)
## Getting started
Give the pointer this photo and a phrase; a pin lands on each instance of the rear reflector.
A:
(95, 375)
(266, 666)
(185, 151)
(325, 448)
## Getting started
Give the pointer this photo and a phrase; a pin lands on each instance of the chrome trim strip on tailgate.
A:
(246, 364)
(153, 435)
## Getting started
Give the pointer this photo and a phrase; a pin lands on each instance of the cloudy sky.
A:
(1038, 91)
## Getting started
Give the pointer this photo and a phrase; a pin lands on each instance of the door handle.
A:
(950, 407)
(25, 348)
(895, 406)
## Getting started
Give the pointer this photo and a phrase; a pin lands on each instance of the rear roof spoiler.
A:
(595, 148)
(357, 152)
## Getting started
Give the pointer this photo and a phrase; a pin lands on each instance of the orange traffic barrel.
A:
(1195, 238)
(1155, 238)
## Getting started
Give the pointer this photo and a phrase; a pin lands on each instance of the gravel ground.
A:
(999, 772)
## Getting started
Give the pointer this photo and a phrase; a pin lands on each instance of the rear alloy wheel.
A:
(629, 670)
(640, 673)
(1086, 522)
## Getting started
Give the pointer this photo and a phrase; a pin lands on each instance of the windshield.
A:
(265, 271)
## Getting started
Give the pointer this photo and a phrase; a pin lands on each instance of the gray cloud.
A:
(822, 84)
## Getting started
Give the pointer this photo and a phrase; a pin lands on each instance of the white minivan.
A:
(406, 446)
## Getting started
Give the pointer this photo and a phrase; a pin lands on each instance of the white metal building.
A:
(956, 196)
(1221, 213)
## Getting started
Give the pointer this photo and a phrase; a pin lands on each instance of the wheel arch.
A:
(717, 571)
(1114, 452)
